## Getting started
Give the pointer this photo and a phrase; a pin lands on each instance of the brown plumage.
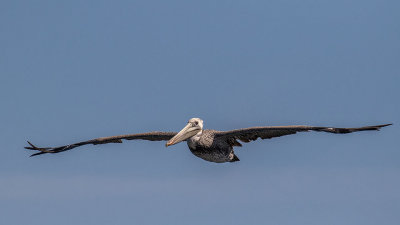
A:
(151, 136)
(210, 145)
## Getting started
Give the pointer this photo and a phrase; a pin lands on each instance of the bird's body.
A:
(211, 148)
(210, 145)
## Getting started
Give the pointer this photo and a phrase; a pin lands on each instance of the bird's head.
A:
(193, 127)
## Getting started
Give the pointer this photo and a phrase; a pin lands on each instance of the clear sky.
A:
(77, 70)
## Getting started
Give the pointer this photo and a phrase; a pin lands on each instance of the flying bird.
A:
(210, 145)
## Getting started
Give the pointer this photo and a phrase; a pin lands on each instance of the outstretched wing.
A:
(151, 136)
(252, 133)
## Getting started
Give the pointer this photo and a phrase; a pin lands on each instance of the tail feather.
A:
(235, 159)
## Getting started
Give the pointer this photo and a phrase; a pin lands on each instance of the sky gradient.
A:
(77, 70)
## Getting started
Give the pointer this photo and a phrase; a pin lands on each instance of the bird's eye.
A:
(196, 123)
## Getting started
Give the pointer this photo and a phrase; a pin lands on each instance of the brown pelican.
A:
(210, 145)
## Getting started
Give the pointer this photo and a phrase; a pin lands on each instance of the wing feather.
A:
(253, 133)
(151, 136)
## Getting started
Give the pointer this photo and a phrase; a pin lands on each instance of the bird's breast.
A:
(209, 148)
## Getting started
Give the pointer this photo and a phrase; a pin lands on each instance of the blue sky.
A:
(77, 70)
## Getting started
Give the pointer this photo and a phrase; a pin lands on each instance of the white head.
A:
(193, 127)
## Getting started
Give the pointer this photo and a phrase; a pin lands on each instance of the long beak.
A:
(187, 132)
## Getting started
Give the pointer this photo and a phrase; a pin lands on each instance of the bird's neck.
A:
(192, 141)
(197, 136)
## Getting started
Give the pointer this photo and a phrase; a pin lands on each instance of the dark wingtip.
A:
(39, 153)
(32, 146)
(383, 125)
